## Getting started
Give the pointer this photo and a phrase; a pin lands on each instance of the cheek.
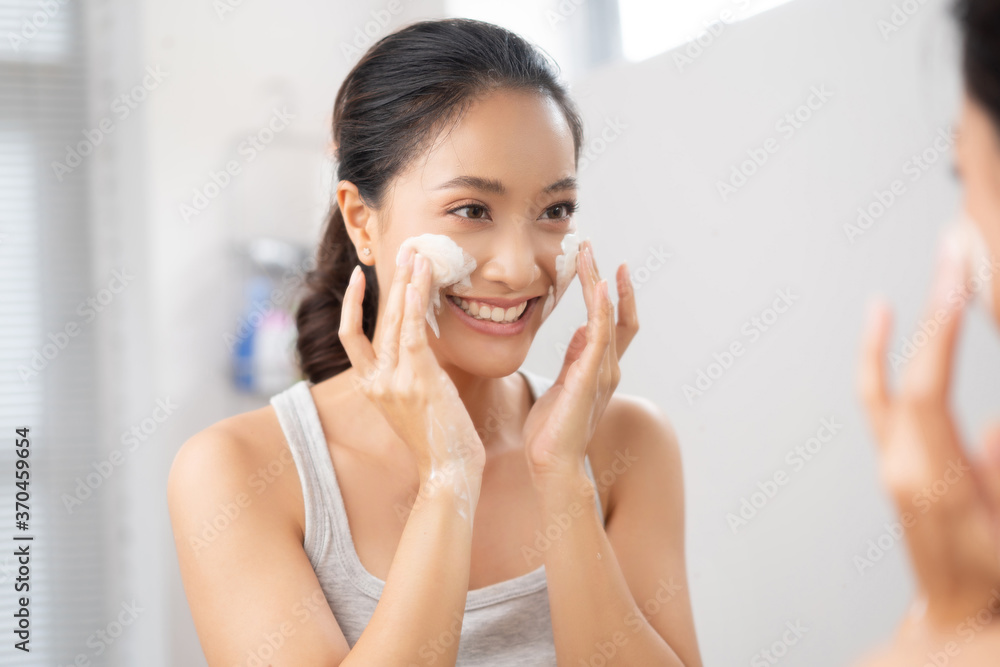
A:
(981, 174)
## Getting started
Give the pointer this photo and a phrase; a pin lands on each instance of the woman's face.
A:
(501, 184)
(978, 162)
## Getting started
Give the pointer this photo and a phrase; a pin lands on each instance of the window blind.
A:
(47, 378)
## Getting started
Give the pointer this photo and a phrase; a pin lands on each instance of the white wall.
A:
(655, 183)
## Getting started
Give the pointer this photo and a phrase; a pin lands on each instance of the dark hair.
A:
(408, 86)
(979, 21)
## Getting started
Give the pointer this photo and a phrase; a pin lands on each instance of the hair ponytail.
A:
(321, 354)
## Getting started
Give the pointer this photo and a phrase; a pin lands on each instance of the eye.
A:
(562, 210)
(476, 212)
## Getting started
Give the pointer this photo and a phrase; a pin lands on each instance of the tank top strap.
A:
(299, 433)
(538, 385)
(325, 512)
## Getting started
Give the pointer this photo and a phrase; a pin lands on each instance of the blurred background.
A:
(763, 167)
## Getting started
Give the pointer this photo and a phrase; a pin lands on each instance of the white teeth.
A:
(486, 312)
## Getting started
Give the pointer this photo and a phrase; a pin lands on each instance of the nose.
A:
(511, 259)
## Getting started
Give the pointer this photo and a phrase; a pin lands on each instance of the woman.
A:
(417, 501)
(949, 506)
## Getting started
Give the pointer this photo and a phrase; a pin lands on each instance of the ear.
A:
(359, 219)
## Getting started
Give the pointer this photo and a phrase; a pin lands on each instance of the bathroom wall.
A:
(778, 263)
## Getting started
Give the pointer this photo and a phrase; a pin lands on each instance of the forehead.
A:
(520, 138)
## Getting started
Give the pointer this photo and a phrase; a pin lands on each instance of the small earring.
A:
(367, 251)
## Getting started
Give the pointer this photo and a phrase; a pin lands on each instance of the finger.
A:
(988, 467)
(388, 342)
(611, 358)
(415, 355)
(576, 346)
(351, 332)
(593, 263)
(928, 374)
(628, 317)
(587, 273)
(609, 316)
(872, 382)
(991, 445)
(598, 339)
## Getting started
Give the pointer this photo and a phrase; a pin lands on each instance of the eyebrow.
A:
(493, 186)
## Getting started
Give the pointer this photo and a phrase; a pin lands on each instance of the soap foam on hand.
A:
(450, 265)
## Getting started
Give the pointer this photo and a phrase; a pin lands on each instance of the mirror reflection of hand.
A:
(563, 420)
(948, 504)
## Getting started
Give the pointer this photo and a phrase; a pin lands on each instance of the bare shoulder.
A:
(633, 435)
(227, 447)
(234, 462)
(974, 645)
(230, 494)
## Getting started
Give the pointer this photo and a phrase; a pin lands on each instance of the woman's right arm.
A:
(253, 592)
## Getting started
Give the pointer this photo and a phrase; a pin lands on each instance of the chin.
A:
(492, 364)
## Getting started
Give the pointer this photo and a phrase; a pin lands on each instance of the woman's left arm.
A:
(617, 593)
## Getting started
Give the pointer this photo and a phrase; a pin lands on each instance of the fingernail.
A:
(418, 263)
(354, 274)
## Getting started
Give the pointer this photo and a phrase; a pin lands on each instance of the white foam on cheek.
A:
(450, 265)
(565, 271)
(566, 263)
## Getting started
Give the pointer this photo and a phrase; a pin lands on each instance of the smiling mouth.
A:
(484, 311)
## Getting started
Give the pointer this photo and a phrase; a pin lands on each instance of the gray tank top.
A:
(506, 624)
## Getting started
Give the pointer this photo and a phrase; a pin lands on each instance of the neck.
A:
(493, 404)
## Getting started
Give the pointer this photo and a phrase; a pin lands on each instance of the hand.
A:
(563, 420)
(415, 395)
(948, 505)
